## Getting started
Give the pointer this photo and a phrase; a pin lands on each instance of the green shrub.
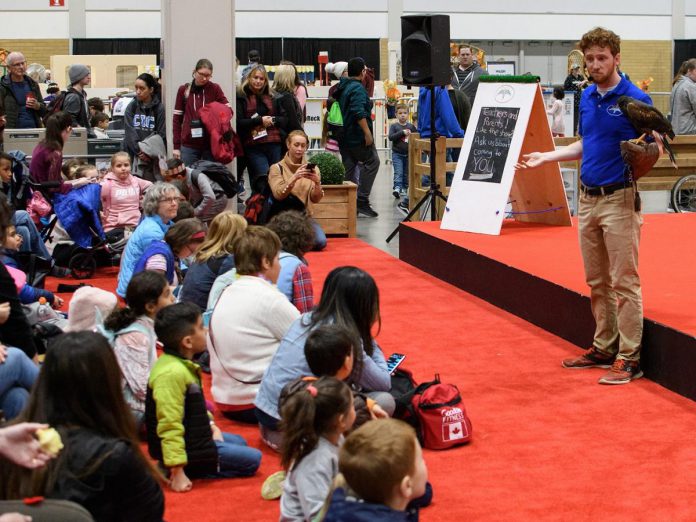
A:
(332, 170)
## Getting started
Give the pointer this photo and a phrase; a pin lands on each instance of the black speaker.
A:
(425, 49)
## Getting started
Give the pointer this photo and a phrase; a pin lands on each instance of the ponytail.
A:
(309, 410)
(144, 288)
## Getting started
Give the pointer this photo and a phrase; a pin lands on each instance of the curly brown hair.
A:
(600, 37)
(295, 231)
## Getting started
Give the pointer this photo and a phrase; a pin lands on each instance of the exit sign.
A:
(56, 3)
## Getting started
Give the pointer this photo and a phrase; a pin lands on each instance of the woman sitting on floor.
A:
(160, 206)
(101, 466)
(350, 299)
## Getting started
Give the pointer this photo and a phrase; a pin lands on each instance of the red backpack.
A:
(436, 411)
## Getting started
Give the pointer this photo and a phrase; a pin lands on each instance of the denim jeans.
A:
(319, 237)
(189, 155)
(17, 376)
(31, 238)
(400, 162)
(235, 458)
(259, 160)
(369, 162)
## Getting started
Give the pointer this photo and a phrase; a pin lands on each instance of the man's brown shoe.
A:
(592, 358)
(622, 372)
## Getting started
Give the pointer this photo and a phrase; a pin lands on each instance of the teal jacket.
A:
(355, 105)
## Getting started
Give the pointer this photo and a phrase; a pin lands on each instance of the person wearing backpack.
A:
(191, 143)
(134, 338)
(75, 101)
(287, 102)
(20, 95)
(357, 144)
(207, 197)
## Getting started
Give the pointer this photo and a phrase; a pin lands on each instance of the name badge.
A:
(197, 133)
(262, 133)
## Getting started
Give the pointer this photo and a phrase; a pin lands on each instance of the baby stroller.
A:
(78, 214)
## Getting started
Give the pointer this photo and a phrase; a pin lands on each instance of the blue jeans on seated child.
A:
(31, 238)
(235, 458)
(17, 375)
(400, 163)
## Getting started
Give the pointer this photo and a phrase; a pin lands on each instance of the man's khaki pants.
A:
(609, 237)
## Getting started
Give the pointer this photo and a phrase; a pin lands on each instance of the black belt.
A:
(605, 190)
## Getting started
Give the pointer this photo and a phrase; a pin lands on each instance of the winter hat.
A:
(76, 72)
(89, 306)
(355, 66)
(337, 69)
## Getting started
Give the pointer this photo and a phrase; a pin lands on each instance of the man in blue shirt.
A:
(609, 212)
(20, 95)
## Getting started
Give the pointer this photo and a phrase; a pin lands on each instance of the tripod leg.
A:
(424, 200)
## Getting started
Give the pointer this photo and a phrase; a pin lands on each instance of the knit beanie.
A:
(88, 306)
(355, 66)
(76, 72)
(337, 69)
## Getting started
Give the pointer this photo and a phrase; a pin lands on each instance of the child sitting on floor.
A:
(382, 465)
(314, 417)
(133, 328)
(180, 432)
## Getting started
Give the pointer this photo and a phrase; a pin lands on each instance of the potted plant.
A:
(336, 212)
(332, 170)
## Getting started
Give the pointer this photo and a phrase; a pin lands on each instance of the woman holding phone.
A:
(296, 184)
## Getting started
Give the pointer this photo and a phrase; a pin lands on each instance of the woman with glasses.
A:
(191, 142)
(160, 206)
(259, 125)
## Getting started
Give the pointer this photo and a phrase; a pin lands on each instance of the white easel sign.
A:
(507, 120)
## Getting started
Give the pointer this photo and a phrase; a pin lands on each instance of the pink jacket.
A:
(121, 200)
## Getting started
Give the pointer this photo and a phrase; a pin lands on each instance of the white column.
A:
(678, 20)
(194, 30)
(77, 20)
(395, 10)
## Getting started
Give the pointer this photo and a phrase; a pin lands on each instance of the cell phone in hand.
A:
(310, 166)
(394, 361)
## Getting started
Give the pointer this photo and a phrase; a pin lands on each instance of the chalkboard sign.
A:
(491, 144)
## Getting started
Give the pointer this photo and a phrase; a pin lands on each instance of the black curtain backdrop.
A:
(683, 50)
(304, 51)
(271, 49)
(301, 51)
(117, 46)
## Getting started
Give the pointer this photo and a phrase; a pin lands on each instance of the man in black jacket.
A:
(75, 102)
(20, 95)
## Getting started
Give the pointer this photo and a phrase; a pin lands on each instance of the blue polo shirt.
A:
(603, 127)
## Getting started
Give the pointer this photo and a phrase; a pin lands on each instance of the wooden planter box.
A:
(336, 212)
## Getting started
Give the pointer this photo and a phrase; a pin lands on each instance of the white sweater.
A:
(250, 319)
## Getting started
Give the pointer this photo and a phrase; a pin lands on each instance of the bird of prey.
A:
(647, 120)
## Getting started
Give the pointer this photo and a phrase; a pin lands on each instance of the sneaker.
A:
(272, 487)
(366, 210)
(592, 358)
(396, 193)
(622, 372)
(403, 207)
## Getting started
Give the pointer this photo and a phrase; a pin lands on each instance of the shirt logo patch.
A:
(614, 110)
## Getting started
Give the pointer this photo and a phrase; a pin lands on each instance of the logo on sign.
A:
(614, 110)
(504, 94)
(453, 425)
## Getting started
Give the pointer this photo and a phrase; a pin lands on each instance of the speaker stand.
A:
(429, 198)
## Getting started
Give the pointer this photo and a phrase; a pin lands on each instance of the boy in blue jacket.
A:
(382, 466)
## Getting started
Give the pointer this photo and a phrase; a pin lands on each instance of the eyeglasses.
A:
(18, 64)
(170, 200)
(205, 76)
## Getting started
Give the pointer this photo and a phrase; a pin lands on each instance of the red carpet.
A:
(549, 443)
(666, 252)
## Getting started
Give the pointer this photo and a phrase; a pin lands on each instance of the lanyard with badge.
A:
(197, 125)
